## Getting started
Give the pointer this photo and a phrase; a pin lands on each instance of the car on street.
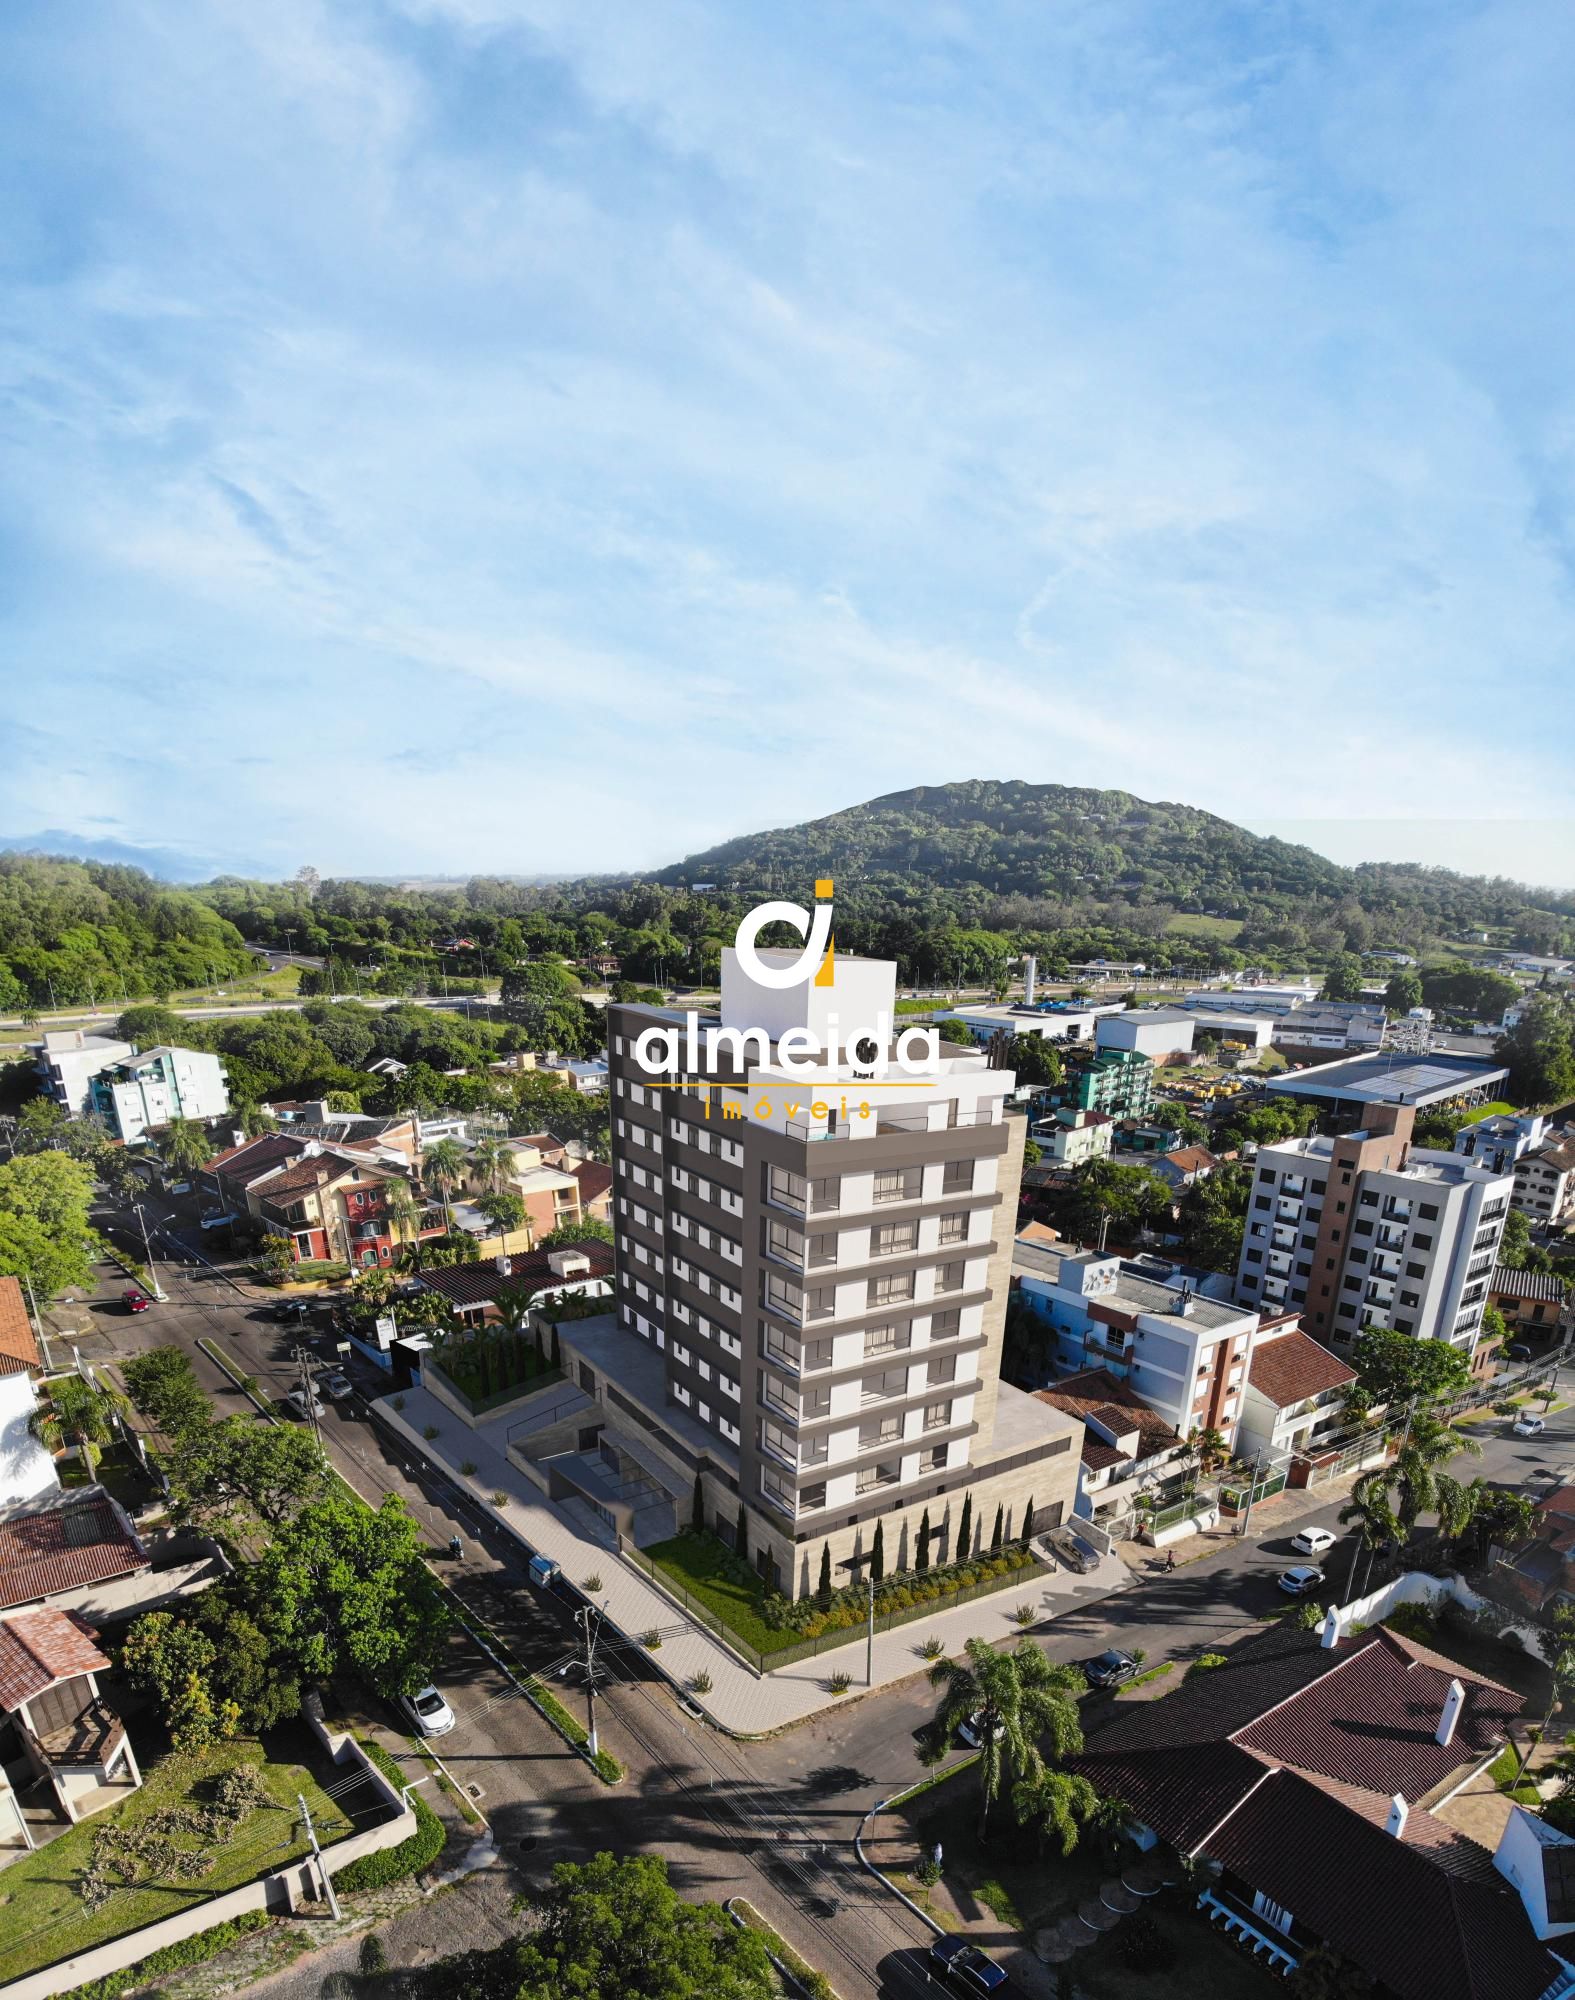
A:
(1072, 1550)
(298, 1403)
(135, 1301)
(1528, 1426)
(965, 1966)
(971, 1729)
(1301, 1580)
(1517, 1350)
(288, 1310)
(1313, 1541)
(1110, 1669)
(429, 1712)
(336, 1386)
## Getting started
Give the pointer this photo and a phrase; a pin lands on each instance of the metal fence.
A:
(793, 1650)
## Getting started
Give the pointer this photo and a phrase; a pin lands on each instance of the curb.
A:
(885, 1805)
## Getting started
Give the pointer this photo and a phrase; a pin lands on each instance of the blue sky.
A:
(503, 434)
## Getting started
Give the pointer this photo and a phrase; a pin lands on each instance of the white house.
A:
(1155, 1032)
(68, 1061)
(1295, 1388)
(161, 1084)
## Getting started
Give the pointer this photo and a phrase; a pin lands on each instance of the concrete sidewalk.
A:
(741, 1702)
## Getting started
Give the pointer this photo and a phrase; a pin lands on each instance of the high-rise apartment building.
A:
(811, 1281)
(1368, 1230)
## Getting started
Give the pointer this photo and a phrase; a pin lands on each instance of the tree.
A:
(41, 1124)
(1212, 1212)
(1540, 1053)
(45, 1231)
(965, 1530)
(613, 1928)
(341, 1589)
(697, 1506)
(1055, 1803)
(955, 1031)
(401, 1208)
(1175, 1117)
(1026, 1532)
(1369, 1510)
(1514, 1250)
(997, 1531)
(1322, 1973)
(1212, 1448)
(823, 1584)
(1036, 1062)
(1343, 980)
(1505, 1520)
(164, 1387)
(1017, 1697)
(587, 1230)
(504, 1209)
(921, 1556)
(444, 1167)
(246, 1473)
(877, 1568)
(1417, 1476)
(185, 1146)
(1402, 992)
(493, 1162)
(173, 1660)
(1393, 1367)
(78, 1412)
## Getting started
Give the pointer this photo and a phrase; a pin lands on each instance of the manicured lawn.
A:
(493, 1366)
(696, 1563)
(117, 1472)
(42, 1915)
(1496, 1109)
(1226, 929)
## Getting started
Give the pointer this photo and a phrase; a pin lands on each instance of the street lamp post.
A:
(855, 1563)
(159, 1292)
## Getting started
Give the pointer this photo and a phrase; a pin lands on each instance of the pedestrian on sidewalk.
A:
(1170, 1560)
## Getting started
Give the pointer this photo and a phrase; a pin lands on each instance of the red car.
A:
(136, 1302)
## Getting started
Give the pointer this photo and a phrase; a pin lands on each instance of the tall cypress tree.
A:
(823, 1588)
(921, 1558)
(997, 1531)
(878, 1553)
(1027, 1531)
(557, 1358)
(741, 1534)
(964, 1547)
(697, 1510)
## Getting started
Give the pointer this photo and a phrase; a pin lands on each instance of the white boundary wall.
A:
(1416, 1587)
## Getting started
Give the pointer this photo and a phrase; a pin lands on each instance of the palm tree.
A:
(492, 1160)
(186, 1146)
(1211, 1448)
(1055, 1802)
(1505, 1518)
(1419, 1466)
(78, 1412)
(1457, 1504)
(445, 1168)
(1375, 1521)
(1014, 1697)
(401, 1208)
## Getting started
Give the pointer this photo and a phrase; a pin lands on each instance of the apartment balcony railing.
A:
(1234, 1918)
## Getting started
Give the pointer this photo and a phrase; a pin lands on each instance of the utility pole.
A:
(317, 1852)
(583, 1618)
(38, 1324)
(309, 1390)
(159, 1292)
(856, 1563)
(1252, 1492)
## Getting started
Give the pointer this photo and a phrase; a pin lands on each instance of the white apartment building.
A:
(1368, 1230)
(1183, 1355)
(1500, 1141)
(1545, 1183)
(68, 1061)
(139, 1092)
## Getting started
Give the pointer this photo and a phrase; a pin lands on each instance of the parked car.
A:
(1528, 1426)
(971, 1729)
(1072, 1550)
(135, 1301)
(1517, 1350)
(288, 1310)
(1313, 1541)
(1300, 1581)
(217, 1218)
(543, 1572)
(336, 1386)
(302, 1405)
(965, 1966)
(1110, 1669)
(429, 1712)
(177, 1187)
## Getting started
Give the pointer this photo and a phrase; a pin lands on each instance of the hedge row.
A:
(814, 1983)
(393, 1864)
(173, 1958)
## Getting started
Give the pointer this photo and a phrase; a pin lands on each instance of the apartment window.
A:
(776, 1395)
(889, 1382)
(729, 1431)
(815, 1403)
(950, 1277)
(946, 1325)
(934, 1458)
(1421, 1242)
(890, 1290)
(954, 1227)
(820, 1302)
(814, 1496)
(1353, 1284)
(1416, 1270)
(941, 1368)
(887, 1431)
(1250, 1282)
(898, 1184)
(891, 1239)
(957, 1177)
(884, 1474)
(1318, 1187)
(1358, 1256)
(1428, 1211)
(788, 1189)
(1405, 1326)
(937, 1416)
(784, 1297)
(1367, 1200)
(1362, 1228)
(888, 1339)
(1254, 1256)
(784, 1243)
(779, 1442)
(822, 1251)
(1262, 1201)
(1410, 1298)
(1347, 1312)
(1304, 1270)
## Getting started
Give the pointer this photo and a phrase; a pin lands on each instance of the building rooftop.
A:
(1390, 1078)
(38, 1648)
(64, 1548)
(18, 1343)
(1132, 1292)
(1290, 1366)
(1508, 1283)
(1021, 1420)
(638, 1372)
(1095, 1393)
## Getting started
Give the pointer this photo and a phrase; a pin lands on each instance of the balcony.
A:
(1285, 1236)
(1226, 1913)
(1389, 1238)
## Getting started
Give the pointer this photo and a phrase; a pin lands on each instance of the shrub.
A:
(592, 1583)
(652, 1640)
(500, 1498)
(173, 1958)
(467, 1470)
(700, 1682)
(1143, 1946)
(393, 1864)
(374, 1957)
(1025, 1615)
(1203, 1664)
(932, 1648)
(429, 1431)
(399, 1402)
(1413, 1621)
(840, 1683)
(928, 1871)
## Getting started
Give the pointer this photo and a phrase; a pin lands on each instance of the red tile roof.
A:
(242, 1164)
(484, 1284)
(1293, 1366)
(38, 1648)
(594, 1179)
(18, 1343)
(1095, 1393)
(1509, 1283)
(63, 1548)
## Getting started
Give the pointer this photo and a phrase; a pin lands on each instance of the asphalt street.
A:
(771, 1820)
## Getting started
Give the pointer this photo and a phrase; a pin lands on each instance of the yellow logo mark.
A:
(826, 976)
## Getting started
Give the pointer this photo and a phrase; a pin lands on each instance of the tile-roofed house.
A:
(1531, 1301)
(1185, 1165)
(480, 1292)
(1127, 1448)
(1294, 1393)
(65, 1548)
(595, 1181)
(63, 1733)
(1300, 1772)
(18, 1343)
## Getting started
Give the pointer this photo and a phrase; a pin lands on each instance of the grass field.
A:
(45, 1918)
(1224, 930)
(696, 1561)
